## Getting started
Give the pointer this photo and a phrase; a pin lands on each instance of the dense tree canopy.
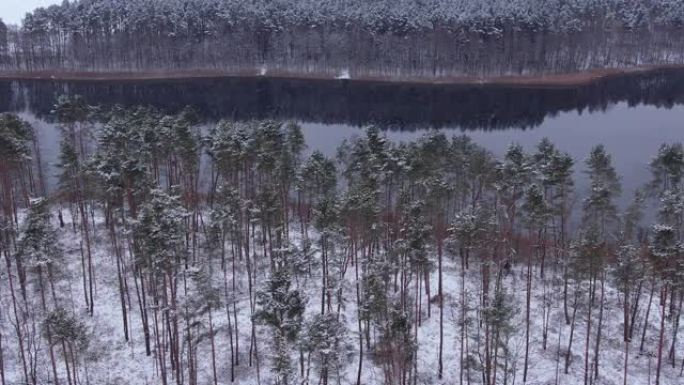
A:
(209, 17)
(398, 38)
(224, 254)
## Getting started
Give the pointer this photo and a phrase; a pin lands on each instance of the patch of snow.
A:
(344, 74)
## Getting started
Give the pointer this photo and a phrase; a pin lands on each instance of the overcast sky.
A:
(11, 11)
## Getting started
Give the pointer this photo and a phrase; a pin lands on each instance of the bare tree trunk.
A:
(230, 326)
(587, 343)
(91, 272)
(599, 330)
(440, 293)
(635, 308)
(160, 346)
(51, 349)
(661, 337)
(2, 361)
(65, 356)
(675, 328)
(625, 372)
(140, 291)
(213, 349)
(120, 277)
(568, 353)
(426, 278)
(648, 312)
(527, 316)
(462, 320)
(18, 321)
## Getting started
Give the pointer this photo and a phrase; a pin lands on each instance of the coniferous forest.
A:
(346, 38)
(168, 218)
(177, 251)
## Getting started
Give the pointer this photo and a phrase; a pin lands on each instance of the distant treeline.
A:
(365, 38)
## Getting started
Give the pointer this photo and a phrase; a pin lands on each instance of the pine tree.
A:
(40, 251)
(600, 214)
(587, 260)
(16, 137)
(667, 168)
(537, 214)
(160, 235)
(38, 245)
(125, 179)
(316, 181)
(225, 225)
(160, 252)
(499, 316)
(65, 329)
(326, 214)
(469, 233)
(667, 245)
(666, 251)
(515, 173)
(417, 233)
(281, 308)
(325, 340)
(627, 273)
(396, 347)
(553, 171)
(202, 301)
(599, 207)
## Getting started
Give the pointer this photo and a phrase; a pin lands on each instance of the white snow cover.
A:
(111, 360)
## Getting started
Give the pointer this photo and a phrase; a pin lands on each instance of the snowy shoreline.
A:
(569, 79)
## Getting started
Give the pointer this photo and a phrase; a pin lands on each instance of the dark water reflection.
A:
(388, 105)
(631, 115)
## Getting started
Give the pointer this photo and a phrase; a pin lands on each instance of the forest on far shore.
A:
(346, 38)
(172, 252)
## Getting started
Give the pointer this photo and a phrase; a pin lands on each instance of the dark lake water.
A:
(631, 115)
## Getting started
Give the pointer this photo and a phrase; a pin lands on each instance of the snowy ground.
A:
(110, 360)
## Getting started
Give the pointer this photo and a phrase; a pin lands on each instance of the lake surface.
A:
(631, 115)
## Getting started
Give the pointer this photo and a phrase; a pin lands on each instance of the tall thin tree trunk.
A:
(2, 361)
(440, 293)
(675, 329)
(599, 330)
(648, 312)
(462, 320)
(661, 337)
(568, 353)
(528, 301)
(18, 321)
(213, 349)
(588, 339)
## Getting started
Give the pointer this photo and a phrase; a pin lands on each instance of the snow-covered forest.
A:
(436, 38)
(175, 251)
